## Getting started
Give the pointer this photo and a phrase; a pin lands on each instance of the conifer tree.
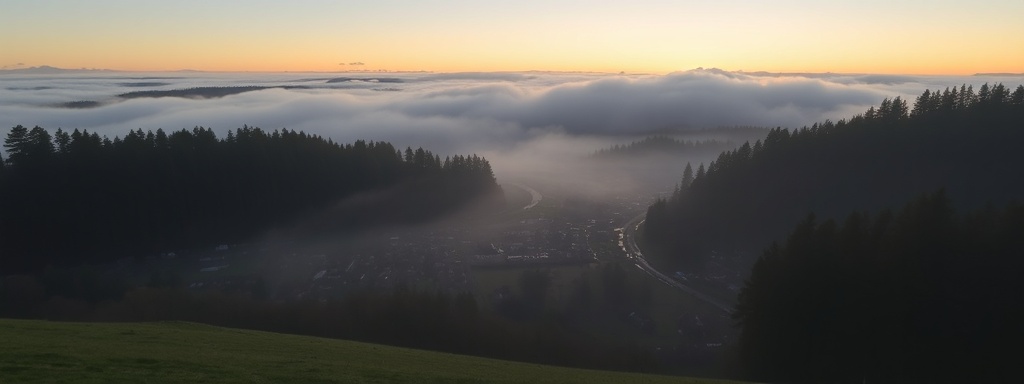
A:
(687, 177)
(921, 105)
(16, 144)
(984, 94)
(61, 140)
(1017, 98)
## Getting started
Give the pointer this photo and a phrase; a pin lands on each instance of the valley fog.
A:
(539, 126)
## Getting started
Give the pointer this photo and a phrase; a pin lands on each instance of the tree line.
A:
(963, 140)
(79, 197)
(919, 295)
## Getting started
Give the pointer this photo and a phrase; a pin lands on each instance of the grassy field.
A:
(175, 352)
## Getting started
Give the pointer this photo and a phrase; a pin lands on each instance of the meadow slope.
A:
(176, 352)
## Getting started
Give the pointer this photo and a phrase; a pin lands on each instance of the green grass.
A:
(176, 352)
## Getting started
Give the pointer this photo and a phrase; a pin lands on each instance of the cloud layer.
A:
(459, 112)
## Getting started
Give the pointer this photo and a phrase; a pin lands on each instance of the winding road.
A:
(535, 197)
(627, 238)
(628, 241)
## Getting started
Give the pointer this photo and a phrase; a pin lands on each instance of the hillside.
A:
(924, 294)
(172, 352)
(963, 141)
(149, 192)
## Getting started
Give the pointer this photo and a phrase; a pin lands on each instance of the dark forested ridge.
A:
(963, 140)
(77, 197)
(923, 295)
(920, 295)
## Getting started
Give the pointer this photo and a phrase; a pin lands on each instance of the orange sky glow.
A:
(914, 37)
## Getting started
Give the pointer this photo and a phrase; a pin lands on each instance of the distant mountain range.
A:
(48, 70)
(999, 74)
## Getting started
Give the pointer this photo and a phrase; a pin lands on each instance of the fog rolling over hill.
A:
(458, 111)
(691, 191)
(151, 192)
(580, 219)
(512, 118)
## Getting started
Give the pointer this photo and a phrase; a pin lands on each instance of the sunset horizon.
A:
(794, 36)
(793, 72)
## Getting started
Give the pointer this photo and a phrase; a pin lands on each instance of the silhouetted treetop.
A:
(957, 138)
(151, 191)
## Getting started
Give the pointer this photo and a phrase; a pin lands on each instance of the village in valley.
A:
(571, 240)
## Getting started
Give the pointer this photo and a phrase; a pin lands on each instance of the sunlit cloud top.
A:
(864, 36)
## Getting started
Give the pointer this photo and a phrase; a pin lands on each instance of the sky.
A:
(636, 36)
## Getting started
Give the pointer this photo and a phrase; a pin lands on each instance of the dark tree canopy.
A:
(922, 295)
(965, 142)
(77, 197)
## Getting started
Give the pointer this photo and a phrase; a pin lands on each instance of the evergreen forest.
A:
(75, 197)
(931, 292)
(961, 140)
(924, 294)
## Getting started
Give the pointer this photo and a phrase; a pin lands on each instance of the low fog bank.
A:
(567, 165)
(460, 112)
(532, 126)
(554, 169)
